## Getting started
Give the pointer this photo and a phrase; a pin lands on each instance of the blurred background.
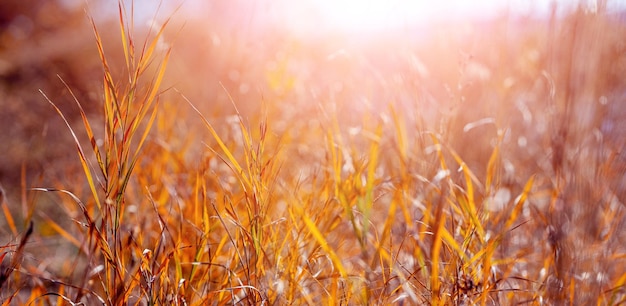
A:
(530, 66)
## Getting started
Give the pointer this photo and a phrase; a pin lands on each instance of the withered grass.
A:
(394, 212)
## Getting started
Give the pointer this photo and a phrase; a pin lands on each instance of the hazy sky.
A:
(356, 15)
(373, 14)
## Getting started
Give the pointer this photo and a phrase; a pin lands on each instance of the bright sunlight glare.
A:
(363, 17)
(380, 15)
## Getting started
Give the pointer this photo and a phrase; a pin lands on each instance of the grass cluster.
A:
(507, 192)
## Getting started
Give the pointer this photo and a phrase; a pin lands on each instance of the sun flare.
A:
(370, 14)
(378, 15)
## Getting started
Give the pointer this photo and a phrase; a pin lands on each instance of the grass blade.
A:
(319, 237)
(81, 154)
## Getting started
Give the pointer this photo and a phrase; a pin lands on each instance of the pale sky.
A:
(366, 15)
(356, 15)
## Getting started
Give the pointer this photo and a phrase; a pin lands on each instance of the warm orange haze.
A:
(312, 152)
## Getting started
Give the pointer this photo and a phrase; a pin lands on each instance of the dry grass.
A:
(511, 192)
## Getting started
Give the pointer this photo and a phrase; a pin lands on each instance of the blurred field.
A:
(468, 162)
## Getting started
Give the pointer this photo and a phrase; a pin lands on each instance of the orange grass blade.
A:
(477, 256)
(128, 50)
(247, 140)
(101, 241)
(466, 171)
(492, 164)
(81, 154)
(487, 264)
(322, 241)
(452, 243)
(100, 47)
(65, 234)
(373, 160)
(469, 190)
(9, 299)
(159, 78)
(112, 109)
(435, 284)
(88, 129)
(437, 146)
(520, 202)
(368, 202)
(619, 284)
(143, 138)
(239, 170)
(401, 139)
(147, 53)
(386, 232)
(438, 228)
(7, 214)
(402, 146)
(335, 159)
